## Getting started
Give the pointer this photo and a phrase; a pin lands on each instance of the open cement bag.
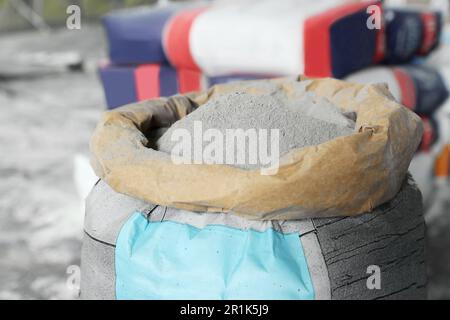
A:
(344, 176)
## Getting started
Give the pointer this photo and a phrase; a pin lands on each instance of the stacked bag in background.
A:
(223, 41)
(411, 33)
(439, 154)
(127, 84)
(275, 37)
(231, 40)
(138, 68)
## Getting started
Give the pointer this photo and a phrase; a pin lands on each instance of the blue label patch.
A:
(169, 260)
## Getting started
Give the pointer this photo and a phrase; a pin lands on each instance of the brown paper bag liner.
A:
(342, 177)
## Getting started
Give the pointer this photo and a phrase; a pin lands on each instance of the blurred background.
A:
(63, 63)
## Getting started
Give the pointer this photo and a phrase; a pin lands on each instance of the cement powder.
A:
(303, 120)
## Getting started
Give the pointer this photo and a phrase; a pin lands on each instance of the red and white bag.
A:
(286, 37)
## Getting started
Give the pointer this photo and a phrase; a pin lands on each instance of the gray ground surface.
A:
(47, 118)
(438, 244)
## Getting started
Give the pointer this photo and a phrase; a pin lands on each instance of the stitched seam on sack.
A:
(98, 240)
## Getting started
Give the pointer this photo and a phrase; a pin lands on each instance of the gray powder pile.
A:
(303, 121)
